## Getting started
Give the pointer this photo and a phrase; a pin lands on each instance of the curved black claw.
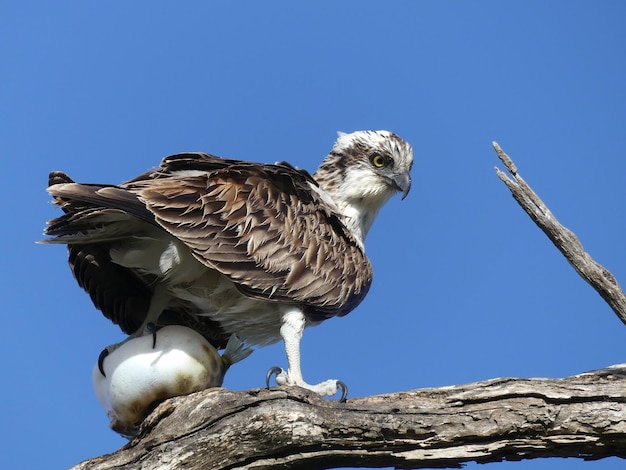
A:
(151, 327)
(344, 391)
(273, 370)
(101, 357)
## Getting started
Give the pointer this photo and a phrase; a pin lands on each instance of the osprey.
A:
(233, 247)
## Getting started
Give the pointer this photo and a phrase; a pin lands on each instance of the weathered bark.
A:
(582, 416)
(564, 239)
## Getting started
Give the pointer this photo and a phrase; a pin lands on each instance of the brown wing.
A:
(121, 294)
(260, 225)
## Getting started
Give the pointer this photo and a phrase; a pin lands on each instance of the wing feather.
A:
(260, 225)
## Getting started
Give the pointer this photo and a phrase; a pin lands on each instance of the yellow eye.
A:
(378, 160)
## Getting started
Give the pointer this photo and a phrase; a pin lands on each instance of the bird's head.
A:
(363, 170)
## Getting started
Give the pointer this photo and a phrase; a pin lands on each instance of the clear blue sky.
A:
(466, 288)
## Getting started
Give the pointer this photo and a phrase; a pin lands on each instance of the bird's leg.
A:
(152, 328)
(159, 300)
(291, 332)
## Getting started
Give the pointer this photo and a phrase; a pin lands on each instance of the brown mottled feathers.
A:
(262, 226)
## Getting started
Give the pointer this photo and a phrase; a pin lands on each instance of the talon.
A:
(344, 391)
(101, 357)
(273, 370)
(151, 327)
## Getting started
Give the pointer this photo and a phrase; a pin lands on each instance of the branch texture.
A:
(566, 241)
(582, 416)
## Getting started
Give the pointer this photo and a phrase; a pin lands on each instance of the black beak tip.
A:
(402, 182)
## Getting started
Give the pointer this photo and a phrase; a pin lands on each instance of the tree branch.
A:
(594, 273)
(582, 416)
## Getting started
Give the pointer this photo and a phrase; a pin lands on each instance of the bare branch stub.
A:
(564, 239)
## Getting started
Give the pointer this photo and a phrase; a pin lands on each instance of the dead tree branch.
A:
(583, 416)
(594, 273)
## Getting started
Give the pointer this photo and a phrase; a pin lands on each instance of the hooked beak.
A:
(402, 182)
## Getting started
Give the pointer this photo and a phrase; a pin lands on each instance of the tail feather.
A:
(235, 350)
(58, 177)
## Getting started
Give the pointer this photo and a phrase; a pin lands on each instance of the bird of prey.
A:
(140, 375)
(233, 247)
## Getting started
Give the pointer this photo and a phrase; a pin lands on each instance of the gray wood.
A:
(582, 416)
(564, 239)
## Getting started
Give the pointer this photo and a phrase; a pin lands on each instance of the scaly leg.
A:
(291, 332)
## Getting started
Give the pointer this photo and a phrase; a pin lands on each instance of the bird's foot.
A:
(150, 328)
(328, 387)
(105, 352)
